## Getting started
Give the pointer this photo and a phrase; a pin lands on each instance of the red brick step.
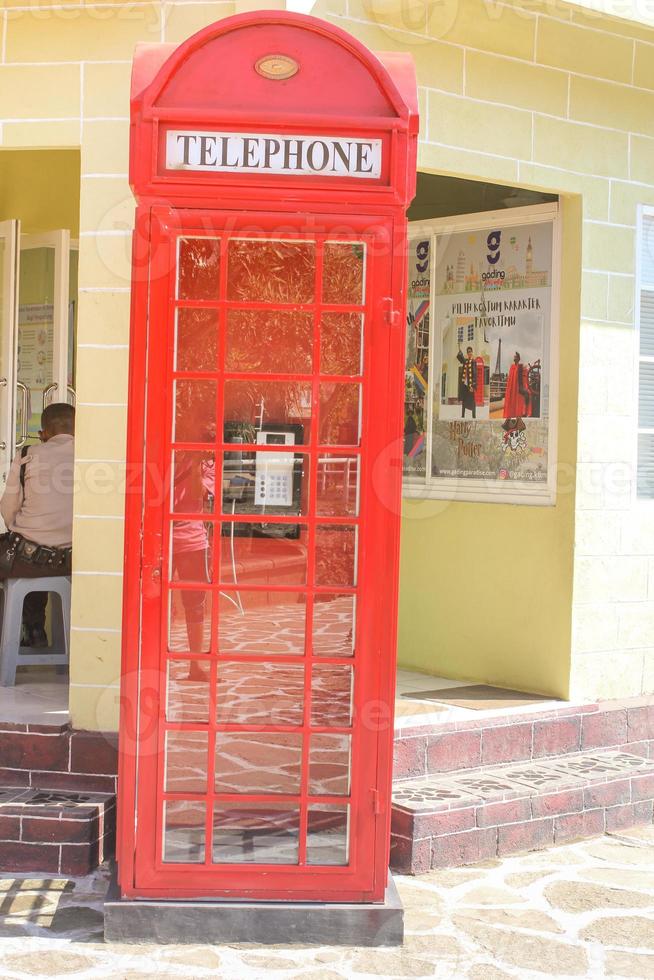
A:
(461, 817)
(48, 831)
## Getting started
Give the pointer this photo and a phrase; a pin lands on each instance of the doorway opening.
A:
(458, 554)
(39, 250)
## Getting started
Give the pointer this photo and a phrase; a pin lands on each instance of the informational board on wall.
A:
(34, 356)
(488, 292)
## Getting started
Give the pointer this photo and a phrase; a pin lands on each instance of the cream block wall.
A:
(557, 98)
(64, 81)
(547, 96)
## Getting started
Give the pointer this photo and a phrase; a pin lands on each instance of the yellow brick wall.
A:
(561, 99)
(506, 94)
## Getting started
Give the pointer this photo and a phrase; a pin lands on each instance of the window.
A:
(483, 426)
(645, 315)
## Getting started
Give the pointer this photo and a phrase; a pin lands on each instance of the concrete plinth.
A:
(202, 921)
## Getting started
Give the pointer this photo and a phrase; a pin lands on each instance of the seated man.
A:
(37, 507)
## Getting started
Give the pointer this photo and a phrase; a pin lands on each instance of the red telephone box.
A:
(272, 158)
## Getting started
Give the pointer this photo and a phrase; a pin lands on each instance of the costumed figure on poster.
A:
(468, 382)
(517, 399)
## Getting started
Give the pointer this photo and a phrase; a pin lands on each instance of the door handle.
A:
(25, 397)
(48, 393)
(72, 394)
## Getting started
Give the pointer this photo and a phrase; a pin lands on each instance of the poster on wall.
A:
(480, 357)
(34, 356)
(416, 378)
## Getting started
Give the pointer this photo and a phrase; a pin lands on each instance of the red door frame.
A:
(369, 798)
(373, 208)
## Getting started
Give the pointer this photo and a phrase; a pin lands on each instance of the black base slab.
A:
(194, 921)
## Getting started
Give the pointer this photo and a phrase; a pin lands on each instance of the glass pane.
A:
(193, 482)
(342, 272)
(195, 411)
(266, 482)
(271, 272)
(328, 833)
(34, 345)
(340, 423)
(269, 340)
(190, 555)
(196, 340)
(258, 763)
(340, 343)
(329, 765)
(647, 251)
(188, 691)
(646, 396)
(186, 762)
(646, 466)
(272, 406)
(263, 554)
(337, 492)
(262, 623)
(256, 833)
(331, 695)
(334, 625)
(647, 323)
(336, 549)
(183, 836)
(199, 266)
(189, 621)
(260, 694)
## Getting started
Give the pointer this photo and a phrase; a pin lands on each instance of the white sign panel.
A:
(329, 156)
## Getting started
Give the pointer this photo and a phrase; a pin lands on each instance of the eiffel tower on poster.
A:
(497, 373)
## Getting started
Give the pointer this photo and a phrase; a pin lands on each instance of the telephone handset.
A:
(273, 472)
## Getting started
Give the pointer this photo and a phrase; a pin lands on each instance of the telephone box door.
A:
(266, 618)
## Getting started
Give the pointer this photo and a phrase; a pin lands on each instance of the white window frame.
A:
(644, 211)
(469, 490)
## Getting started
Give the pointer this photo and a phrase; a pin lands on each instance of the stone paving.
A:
(581, 910)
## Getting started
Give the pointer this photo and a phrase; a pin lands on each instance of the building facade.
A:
(539, 102)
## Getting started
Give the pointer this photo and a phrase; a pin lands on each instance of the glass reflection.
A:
(187, 691)
(269, 340)
(340, 422)
(190, 558)
(331, 695)
(196, 340)
(341, 343)
(256, 833)
(258, 763)
(195, 411)
(270, 271)
(199, 265)
(260, 694)
(337, 492)
(186, 762)
(263, 554)
(253, 407)
(334, 625)
(342, 272)
(336, 549)
(183, 835)
(189, 622)
(329, 765)
(328, 833)
(193, 481)
(262, 623)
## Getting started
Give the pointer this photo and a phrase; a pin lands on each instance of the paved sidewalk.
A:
(581, 910)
